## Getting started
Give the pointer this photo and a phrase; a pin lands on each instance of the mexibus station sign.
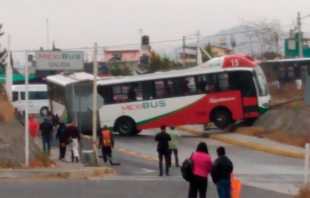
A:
(59, 60)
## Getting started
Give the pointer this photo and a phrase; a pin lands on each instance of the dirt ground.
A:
(288, 124)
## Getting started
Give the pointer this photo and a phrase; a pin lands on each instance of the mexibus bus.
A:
(223, 90)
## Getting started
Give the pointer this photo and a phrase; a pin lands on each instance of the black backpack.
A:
(187, 169)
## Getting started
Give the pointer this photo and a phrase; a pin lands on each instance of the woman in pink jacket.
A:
(202, 167)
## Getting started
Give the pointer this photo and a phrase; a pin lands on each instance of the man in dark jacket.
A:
(46, 130)
(163, 149)
(221, 172)
(60, 136)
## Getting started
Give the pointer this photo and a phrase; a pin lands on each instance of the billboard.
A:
(59, 60)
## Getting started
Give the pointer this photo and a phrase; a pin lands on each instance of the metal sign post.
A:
(8, 72)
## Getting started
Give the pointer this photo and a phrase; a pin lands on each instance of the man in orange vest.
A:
(106, 143)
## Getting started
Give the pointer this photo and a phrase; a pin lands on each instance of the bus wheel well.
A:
(125, 126)
(221, 116)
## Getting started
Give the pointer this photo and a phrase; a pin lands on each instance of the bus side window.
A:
(159, 89)
(191, 86)
(147, 90)
(117, 94)
(15, 96)
(223, 81)
(201, 84)
(168, 88)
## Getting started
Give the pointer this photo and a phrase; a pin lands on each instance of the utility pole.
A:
(8, 71)
(277, 43)
(233, 44)
(183, 51)
(95, 104)
(26, 113)
(47, 34)
(299, 36)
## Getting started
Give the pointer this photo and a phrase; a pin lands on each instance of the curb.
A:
(245, 144)
(53, 174)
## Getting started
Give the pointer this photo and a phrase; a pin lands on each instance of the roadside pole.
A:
(8, 72)
(95, 105)
(306, 163)
(26, 114)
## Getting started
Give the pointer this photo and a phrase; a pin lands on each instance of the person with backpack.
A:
(221, 173)
(202, 165)
(60, 136)
(173, 145)
(106, 142)
(162, 148)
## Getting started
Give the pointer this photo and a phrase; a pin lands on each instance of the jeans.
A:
(198, 184)
(162, 154)
(224, 188)
(46, 140)
(175, 152)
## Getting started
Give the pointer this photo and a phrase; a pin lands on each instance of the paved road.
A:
(262, 174)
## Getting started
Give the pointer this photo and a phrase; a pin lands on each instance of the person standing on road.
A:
(202, 167)
(33, 126)
(46, 130)
(106, 142)
(72, 137)
(162, 148)
(173, 145)
(60, 136)
(221, 172)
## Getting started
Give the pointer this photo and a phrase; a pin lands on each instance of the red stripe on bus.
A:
(199, 112)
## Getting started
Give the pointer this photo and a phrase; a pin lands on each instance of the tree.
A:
(165, 63)
(155, 62)
(271, 55)
(207, 48)
(264, 35)
(125, 71)
(116, 71)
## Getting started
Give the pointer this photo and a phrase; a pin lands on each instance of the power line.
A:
(158, 42)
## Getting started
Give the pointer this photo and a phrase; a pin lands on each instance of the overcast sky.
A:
(81, 23)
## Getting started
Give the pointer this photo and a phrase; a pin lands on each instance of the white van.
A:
(38, 98)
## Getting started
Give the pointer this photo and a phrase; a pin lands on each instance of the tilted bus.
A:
(223, 90)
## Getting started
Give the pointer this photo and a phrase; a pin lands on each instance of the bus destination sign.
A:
(59, 60)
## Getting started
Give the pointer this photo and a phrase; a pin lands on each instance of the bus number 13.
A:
(234, 62)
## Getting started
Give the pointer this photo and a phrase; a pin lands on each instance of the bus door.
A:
(244, 82)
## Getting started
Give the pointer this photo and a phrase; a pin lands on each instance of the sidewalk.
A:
(250, 142)
(63, 170)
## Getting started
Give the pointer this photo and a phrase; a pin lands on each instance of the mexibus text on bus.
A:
(223, 90)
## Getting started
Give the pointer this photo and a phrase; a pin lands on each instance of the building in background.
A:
(291, 46)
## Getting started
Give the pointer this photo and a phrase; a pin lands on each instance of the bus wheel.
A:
(125, 126)
(43, 111)
(222, 118)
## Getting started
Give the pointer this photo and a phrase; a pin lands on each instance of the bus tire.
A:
(44, 111)
(125, 126)
(222, 118)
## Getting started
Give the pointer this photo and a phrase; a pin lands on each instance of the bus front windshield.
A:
(261, 81)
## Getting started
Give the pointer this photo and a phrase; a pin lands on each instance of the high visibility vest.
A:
(106, 138)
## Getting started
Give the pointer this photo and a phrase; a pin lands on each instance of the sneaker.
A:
(77, 159)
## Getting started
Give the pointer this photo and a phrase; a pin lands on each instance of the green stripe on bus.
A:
(167, 114)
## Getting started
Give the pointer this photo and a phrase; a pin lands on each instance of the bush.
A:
(304, 192)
